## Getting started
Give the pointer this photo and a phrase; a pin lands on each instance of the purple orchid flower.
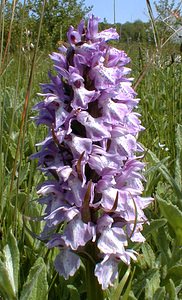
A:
(90, 155)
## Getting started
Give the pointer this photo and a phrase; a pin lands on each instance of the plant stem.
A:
(94, 289)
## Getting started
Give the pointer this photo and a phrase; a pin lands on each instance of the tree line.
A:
(58, 16)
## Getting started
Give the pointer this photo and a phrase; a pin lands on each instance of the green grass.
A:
(161, 94)
(21, 253)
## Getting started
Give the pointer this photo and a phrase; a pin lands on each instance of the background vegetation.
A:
(29, 31)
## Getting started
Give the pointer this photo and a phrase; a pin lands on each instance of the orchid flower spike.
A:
(91, 157)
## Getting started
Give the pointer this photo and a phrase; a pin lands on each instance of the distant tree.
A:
(17, 22)
(134, 32)
(58, 16)
(104, 25)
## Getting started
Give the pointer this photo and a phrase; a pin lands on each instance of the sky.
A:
(125, 10)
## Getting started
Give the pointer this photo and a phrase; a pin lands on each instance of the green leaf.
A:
(148, 255)
(157, 165)
(15, 256)
(131, 296)
(19, 201)
(152, 285)
(117, 292)
(178, 166)
(12, 145)
(141, 281)
(170, 288)
(159, 294)
(154, 226)
(9, 267)
(36, 286)
(162, 242)
(175, 273)
(128, 289)
(74, 294)
(164, 171)
(23, 174)
(174, 216)
(7, 287)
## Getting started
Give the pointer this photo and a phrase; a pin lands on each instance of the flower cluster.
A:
(91, 155)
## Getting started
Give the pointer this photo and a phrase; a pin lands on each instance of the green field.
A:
(26, 265)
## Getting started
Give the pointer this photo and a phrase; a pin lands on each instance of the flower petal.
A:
(78, 233)
(67, 263)
(107, 271)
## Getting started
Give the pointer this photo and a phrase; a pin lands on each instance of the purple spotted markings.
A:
(91, 156)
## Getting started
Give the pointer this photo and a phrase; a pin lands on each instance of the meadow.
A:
(26, 265)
